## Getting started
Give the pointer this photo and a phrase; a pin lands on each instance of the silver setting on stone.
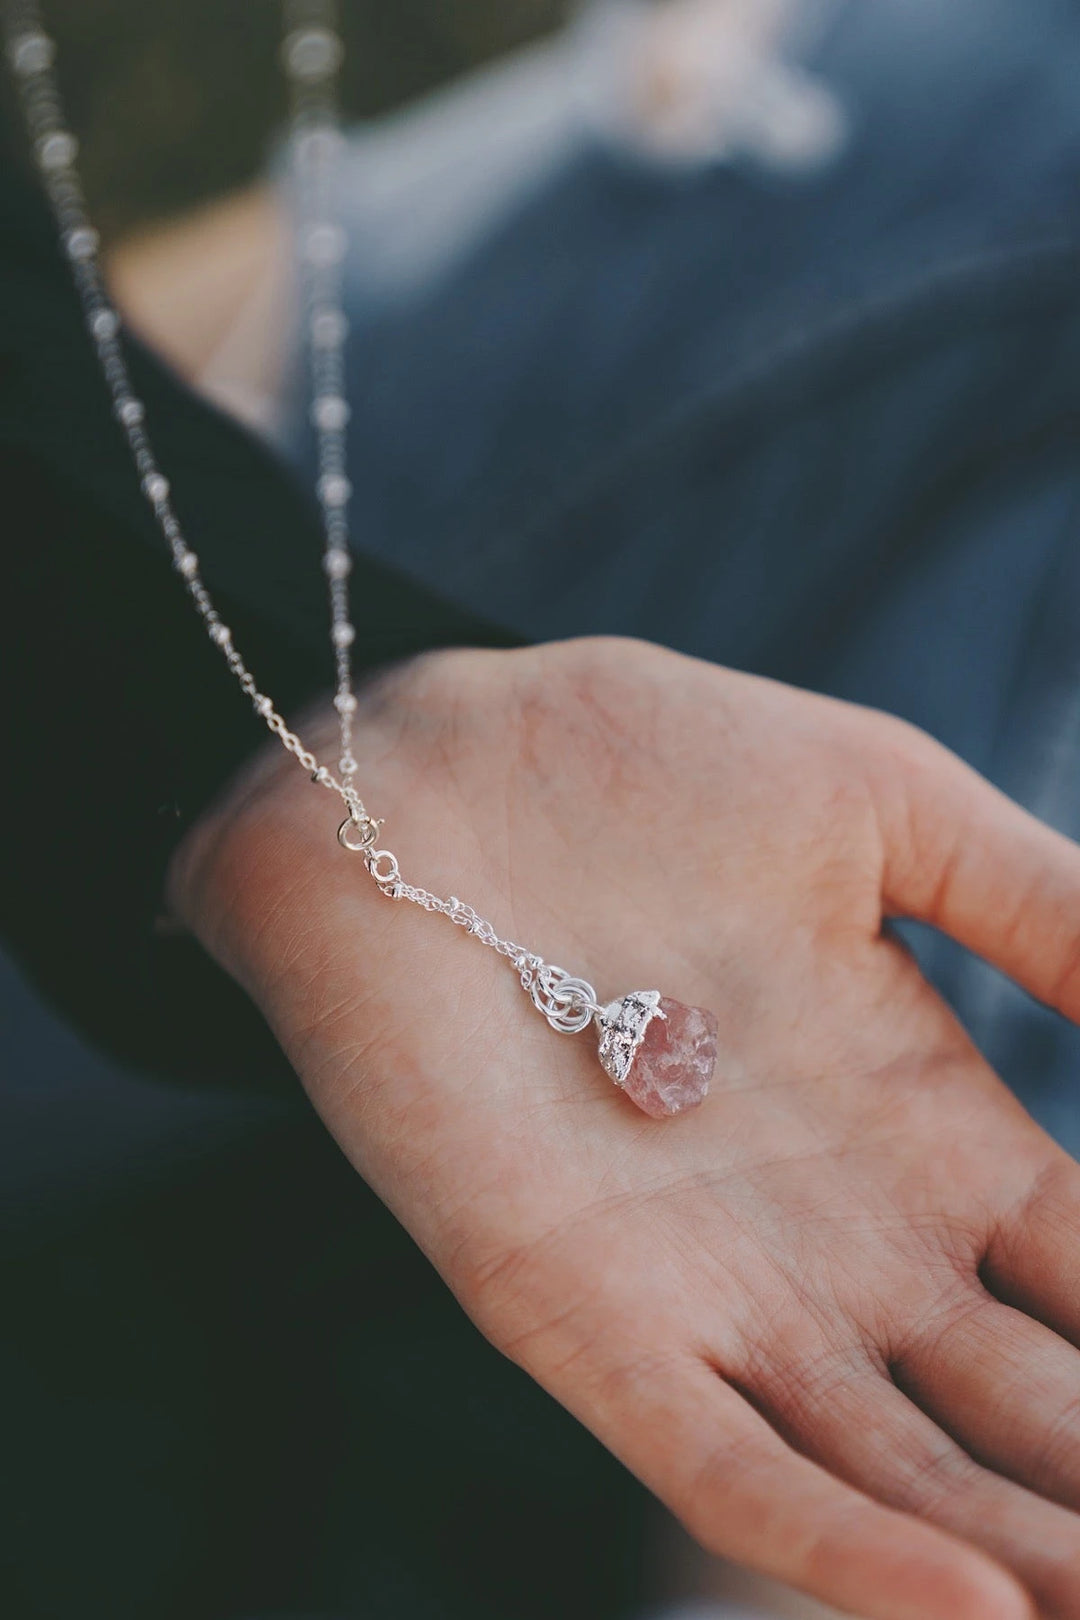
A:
(622, 1029)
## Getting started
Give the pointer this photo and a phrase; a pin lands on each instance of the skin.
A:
(830, 1317)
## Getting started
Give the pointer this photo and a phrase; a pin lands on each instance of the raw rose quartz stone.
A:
(675, 1062)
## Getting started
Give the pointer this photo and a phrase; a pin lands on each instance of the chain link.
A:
(568, 1004)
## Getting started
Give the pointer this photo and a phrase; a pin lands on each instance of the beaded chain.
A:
(311, 53)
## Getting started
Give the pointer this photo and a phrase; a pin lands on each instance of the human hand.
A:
(828, 1316)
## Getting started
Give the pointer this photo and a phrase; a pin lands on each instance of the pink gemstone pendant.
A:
(661, 1053)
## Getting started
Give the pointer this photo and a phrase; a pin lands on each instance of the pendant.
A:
(660, 1052)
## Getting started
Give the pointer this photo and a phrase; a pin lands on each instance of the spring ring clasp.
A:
(368, 829)
(383, 867)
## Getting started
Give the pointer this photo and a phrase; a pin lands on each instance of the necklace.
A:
(659, 1051)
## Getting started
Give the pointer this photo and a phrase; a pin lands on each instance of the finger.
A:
(748, 1496)
(853, 1420)
(962, 856)
(1007, 1388)
(1033, 1260)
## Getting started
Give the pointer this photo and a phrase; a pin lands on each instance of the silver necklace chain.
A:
(311, 56)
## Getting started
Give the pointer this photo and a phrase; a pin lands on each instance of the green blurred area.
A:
(176, 101)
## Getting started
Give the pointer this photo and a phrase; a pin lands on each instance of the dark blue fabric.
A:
(822, 428)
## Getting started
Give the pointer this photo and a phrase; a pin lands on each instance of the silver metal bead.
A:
(221, 634)
(342, 635)
(31, 52)
(105, 324)
(329, 328)
(188, 564)
(82, 242)
(130, 410)
(57, 151)
(334, 489)
(345, 703)
(324, 245)
(312, 53)
(317, 148)
(155, 487)
(330, 412)
(338, 564)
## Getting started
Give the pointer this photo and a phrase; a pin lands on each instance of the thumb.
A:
(962, 856)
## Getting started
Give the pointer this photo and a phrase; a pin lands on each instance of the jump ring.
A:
(567, 1003)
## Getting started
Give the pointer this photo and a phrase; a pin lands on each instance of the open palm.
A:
(829, 1317)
